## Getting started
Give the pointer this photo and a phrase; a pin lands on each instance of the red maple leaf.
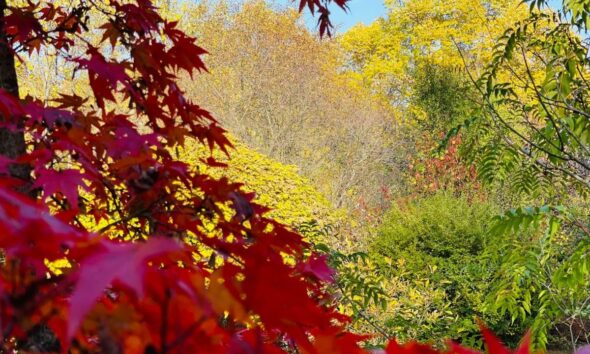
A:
(317, 267)
(125, 263)
(22, 23)
(324, 23)
(65, 182)
(104, 76)
(31, 233)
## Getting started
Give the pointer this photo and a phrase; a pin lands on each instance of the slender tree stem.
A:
(12, 143)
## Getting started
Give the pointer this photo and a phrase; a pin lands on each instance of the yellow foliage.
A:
(383, 53)
(279, 89)
(57, 266)
(292, 198)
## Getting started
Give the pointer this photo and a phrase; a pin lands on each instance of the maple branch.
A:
(102, 10)
(64, 206)
(117, 206)
(129, 217)
(60, 28)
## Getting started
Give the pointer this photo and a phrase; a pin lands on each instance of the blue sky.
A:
(364, 11)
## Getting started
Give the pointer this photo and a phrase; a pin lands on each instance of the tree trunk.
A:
(12, 143)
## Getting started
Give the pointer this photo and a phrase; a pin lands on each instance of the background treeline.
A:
(440, 155)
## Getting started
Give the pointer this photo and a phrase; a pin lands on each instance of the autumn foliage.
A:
(164, 258)
(441, 169)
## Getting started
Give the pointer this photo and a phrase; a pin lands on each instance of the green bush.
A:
(434, 250)
(437, 231)
(442, 95)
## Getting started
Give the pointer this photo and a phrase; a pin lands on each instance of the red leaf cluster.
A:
(443, 170)
(321, 6)
(493, 346)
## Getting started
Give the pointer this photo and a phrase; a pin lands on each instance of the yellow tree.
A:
(382, 55)
(278, 89)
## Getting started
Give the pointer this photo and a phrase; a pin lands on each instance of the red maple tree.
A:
(196, 278)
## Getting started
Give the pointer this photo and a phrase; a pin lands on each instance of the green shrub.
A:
(439, 231)
(433, 250)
